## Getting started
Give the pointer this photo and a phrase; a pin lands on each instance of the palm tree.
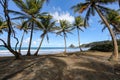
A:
(49, 26)
(25, 29)
(78, 24)
(95, 5)
(29, 12)
(113, 18)
(64, 28)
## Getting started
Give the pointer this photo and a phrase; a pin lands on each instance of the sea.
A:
(43, 50)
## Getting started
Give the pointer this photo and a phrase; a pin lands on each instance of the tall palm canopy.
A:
(79, 21)
(29, 6)
(30, 11)
(113, 17)
(90, 6)
(64, 28)
(49, 26)
(78, 24)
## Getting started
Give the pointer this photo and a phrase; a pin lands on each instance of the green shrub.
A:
(103, 47)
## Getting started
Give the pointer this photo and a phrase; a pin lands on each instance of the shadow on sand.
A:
(54, 68)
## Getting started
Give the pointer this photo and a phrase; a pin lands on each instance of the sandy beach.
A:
(90, 65)
(59, 40)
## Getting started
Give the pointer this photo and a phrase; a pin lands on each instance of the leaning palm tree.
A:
(78, 24)
(64, 28)
(30, 10)
(25, 29)
(49, 26)
(96, 5)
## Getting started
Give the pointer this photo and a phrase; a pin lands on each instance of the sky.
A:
(60, 10)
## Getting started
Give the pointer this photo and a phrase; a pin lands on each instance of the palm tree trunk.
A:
(21, 42)
(114, 56)
(36, 53)
(79, 39)
(65, 43)
(31, 35)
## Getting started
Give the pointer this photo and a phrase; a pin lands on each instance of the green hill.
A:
(105, 46)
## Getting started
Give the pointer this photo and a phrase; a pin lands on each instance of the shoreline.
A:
(58, 53)
(41, 52)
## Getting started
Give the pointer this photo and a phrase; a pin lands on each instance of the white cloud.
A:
(26, 41)
(34, 43)
(58, 15)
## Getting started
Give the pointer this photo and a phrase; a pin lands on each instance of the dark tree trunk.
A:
(4, 4)
(15, 39)
(31, 35)
(36, 53)
(21, 42)
(15, 53)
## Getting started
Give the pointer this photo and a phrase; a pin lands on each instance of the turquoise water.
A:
(43, 50)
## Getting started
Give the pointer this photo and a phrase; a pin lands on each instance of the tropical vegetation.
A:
(32, 19)
(30, 11)
(96, 5)
(49, 27)
(64, 28)
(79, 23)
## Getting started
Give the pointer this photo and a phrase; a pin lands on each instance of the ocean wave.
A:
(42, 51)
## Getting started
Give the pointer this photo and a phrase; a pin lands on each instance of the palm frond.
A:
(43, 34)
(105, 2)
(47, 38)
(20, 4)
(59, 33)
(80, 7)
(17, 13)
(20, 17)
(87, 17)
(40, 25)
(104, 28)
(104, 10)
(80, 29)
(52, 24)
(92, 11)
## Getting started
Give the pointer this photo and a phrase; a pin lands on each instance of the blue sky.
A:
(60, 9)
